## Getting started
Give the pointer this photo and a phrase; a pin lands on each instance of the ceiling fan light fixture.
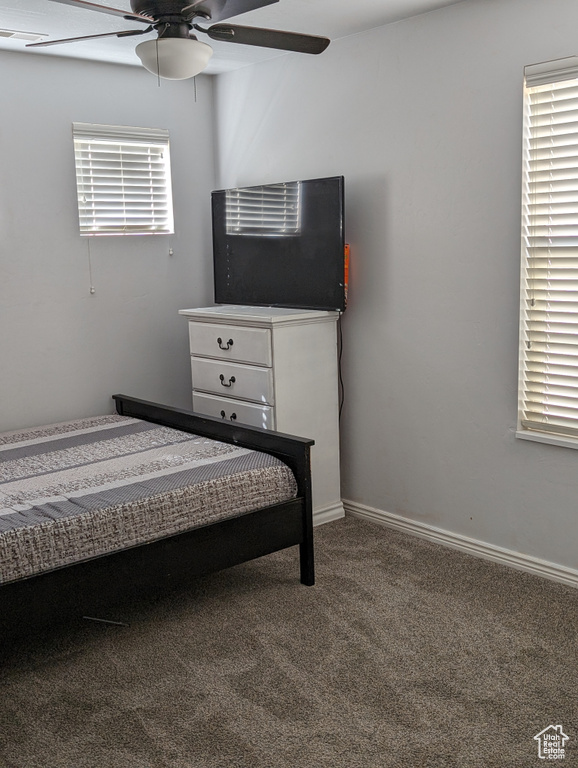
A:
(174, 58)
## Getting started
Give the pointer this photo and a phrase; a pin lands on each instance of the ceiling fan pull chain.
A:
(158, 65)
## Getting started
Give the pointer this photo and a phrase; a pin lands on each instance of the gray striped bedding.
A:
(80, 489)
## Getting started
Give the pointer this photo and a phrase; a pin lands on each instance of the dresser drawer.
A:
(234, 410)
(231, 342)
(248, 382)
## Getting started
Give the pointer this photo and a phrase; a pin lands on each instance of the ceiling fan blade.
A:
(129, 16)
(216, 10)
(267, 38)
(191, 10)
(123, 33)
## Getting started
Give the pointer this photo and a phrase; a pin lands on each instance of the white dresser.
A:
(276, 369)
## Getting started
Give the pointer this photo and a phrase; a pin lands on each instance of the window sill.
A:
(543, 437)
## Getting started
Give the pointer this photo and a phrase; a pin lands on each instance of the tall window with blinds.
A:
(549, 297)
(123, 179)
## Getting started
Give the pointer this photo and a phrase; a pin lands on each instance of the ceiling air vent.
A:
(16, 35)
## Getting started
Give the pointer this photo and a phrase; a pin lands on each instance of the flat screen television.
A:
(280, 245)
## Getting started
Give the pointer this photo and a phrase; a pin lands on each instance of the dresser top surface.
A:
(240, 313)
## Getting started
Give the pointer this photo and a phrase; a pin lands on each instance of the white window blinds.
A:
(549, 317)
(123, 180)
(273, 209)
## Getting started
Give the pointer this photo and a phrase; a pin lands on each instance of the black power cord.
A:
(339, 356)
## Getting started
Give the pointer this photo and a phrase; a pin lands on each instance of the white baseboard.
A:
(323, 515)
(538, 567)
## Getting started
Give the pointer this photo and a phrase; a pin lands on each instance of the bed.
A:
(97, 511)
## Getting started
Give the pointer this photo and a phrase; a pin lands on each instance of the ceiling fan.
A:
(176, 53)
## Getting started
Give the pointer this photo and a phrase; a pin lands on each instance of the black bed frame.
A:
(91, 587)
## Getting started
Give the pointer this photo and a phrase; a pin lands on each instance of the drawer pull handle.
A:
(220, 343)
(232, 417)
(231, 381)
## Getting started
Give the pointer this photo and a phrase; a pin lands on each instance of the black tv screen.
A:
(280, 245)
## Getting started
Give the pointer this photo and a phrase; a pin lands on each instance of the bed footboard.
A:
(293, 451)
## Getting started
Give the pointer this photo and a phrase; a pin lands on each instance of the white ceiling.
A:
(329, 18)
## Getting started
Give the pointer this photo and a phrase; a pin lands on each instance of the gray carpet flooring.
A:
(404, 653)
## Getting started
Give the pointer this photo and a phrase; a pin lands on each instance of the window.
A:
(271, 210)
(548, 408)
(123, 180)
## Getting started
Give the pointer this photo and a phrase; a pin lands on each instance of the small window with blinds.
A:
(548, 391)
(123, 180)
(271, 210)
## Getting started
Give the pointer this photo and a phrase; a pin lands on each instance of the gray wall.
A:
(63, 352)
(423, 117)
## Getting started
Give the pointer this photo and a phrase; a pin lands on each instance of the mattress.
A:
(81, 489)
